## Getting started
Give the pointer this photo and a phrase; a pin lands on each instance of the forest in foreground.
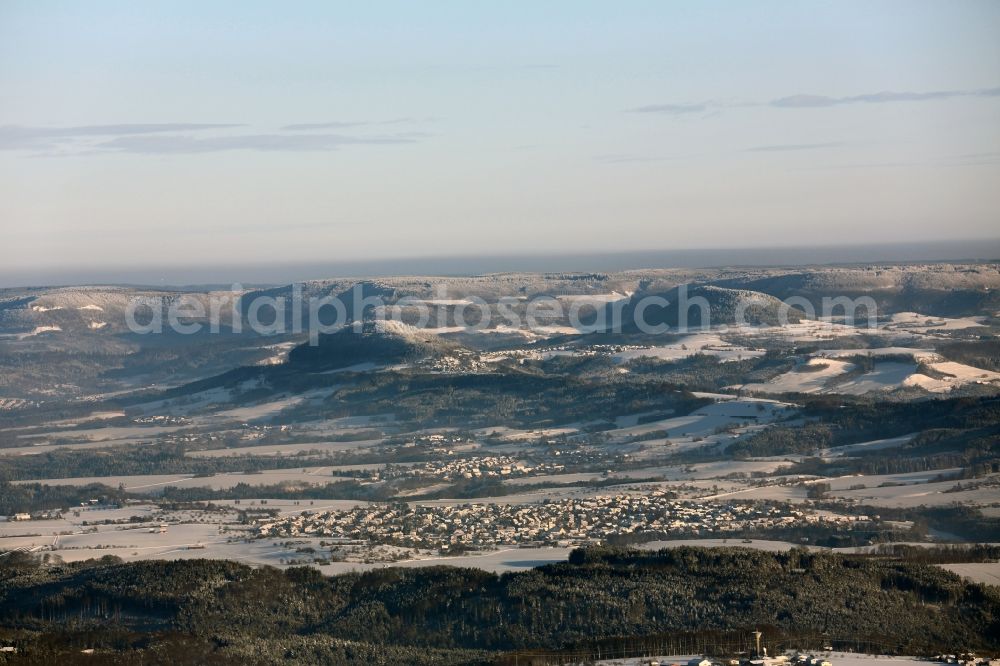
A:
(695, 599)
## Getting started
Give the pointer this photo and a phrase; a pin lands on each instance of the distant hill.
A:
(381, 343)
(942, 290)
(58, 342)
(725, 307)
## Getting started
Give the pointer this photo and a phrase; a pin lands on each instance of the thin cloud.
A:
(186, 144)
(804, 101)
(793, 147)
(104, 130)
(624, 158)
(973, 159)
(20, 137)
(338, 124)
(321, 126)
(182, 138)
(979, 155)
(860, 165)
(672, 109)
(810, 101)
(886, 96)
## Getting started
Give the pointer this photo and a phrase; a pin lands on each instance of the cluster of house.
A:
(524, 354)
(559, 522)
(51, 514)
(757, 657)
(161, 419)
(967, 659)
(810, 660)
(475, 467)
(37, 515)
(458, 361)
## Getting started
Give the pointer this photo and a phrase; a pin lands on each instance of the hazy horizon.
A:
(288, 272)
(179, 134)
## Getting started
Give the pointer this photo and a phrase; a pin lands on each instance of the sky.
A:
(155, 135)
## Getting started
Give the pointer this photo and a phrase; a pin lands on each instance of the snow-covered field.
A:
(756, 544)
(959, 374)
(821, 375)
(825, 373)
(699, 343)
(697, 472)
(707, 421)
(89, 438)
(885, 377)
(188, 404)
(286, 449)
(890, 490)
(912, 322)
(835, 658)
(518, 434)
(812, 377)
(871, 446)
(268, 409)
(808, 330)
(907, 328)
(598, 299)
(154, 483)
(917, 354)
(977, 572)
(38, 330)
(926, 494)
(497, 561)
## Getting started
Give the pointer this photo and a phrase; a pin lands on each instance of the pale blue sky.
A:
(181, 133)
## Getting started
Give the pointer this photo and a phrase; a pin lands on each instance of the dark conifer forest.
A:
(603, 599)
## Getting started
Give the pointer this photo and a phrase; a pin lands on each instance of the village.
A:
(474, 467)
(564, 522)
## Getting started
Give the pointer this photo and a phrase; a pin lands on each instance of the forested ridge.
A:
(224, 611)
(944, 425)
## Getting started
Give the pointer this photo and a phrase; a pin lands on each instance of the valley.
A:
(264, 448)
